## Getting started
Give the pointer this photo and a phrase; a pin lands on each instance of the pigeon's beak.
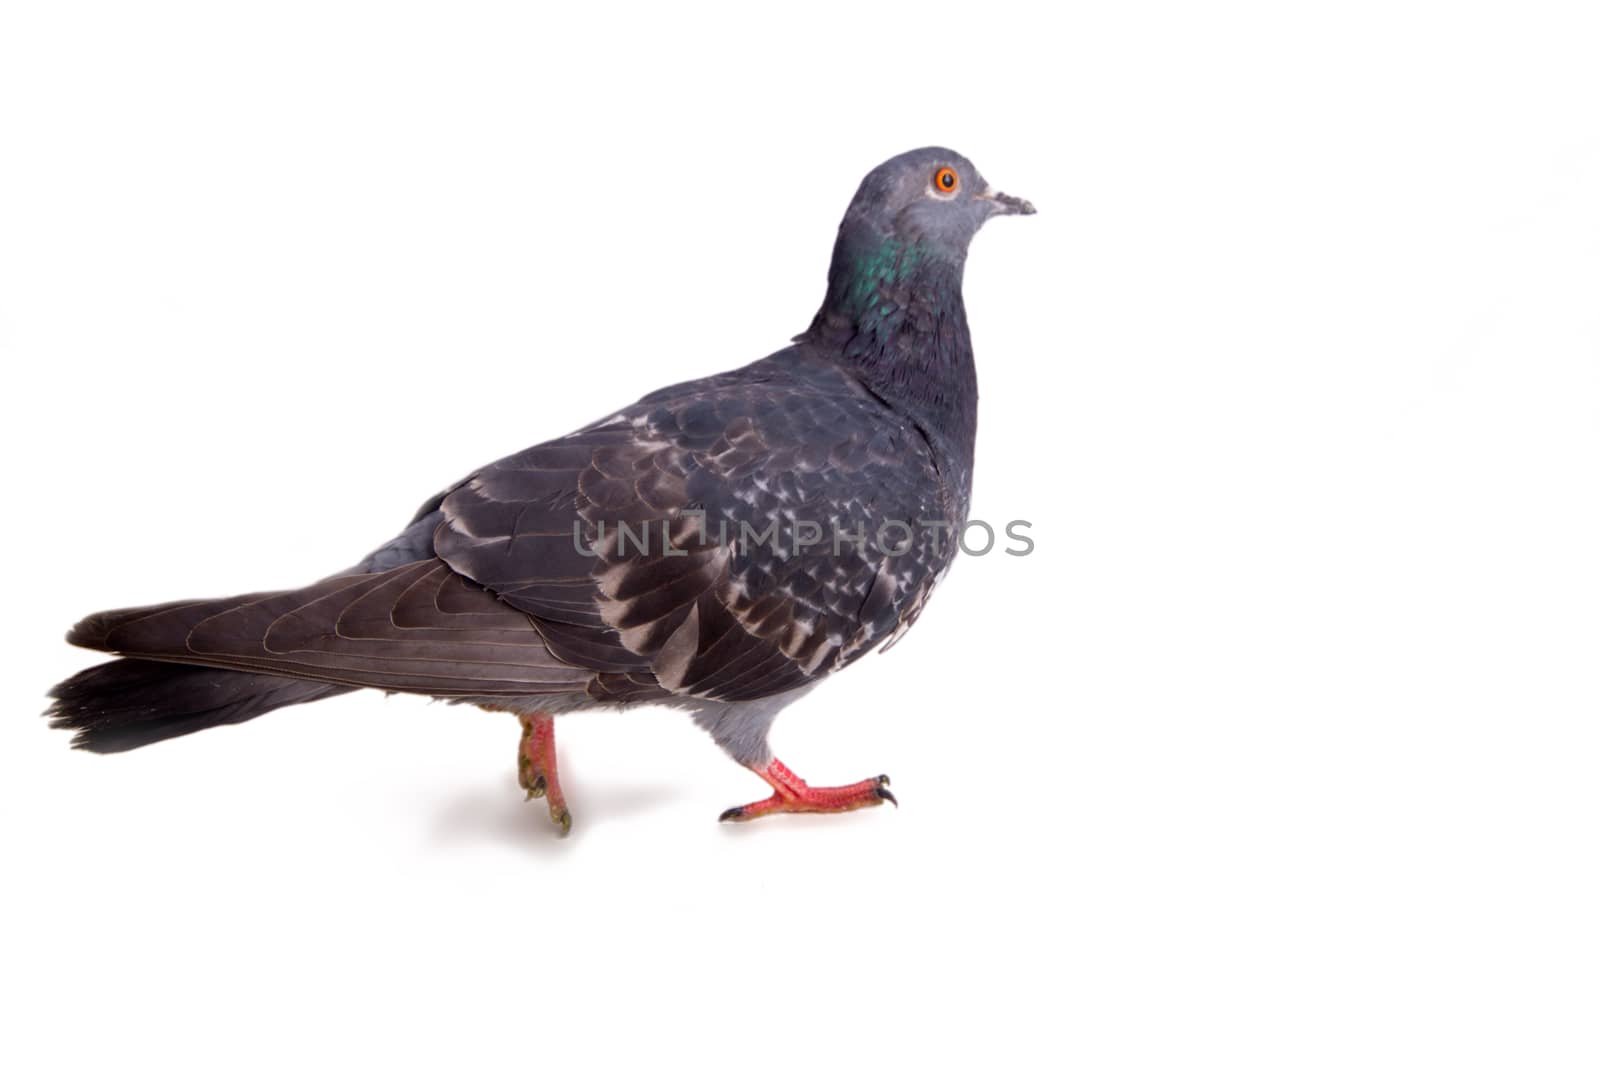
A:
(1001, 204)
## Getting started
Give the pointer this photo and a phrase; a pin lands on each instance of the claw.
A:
(563, 819)
(790, 793)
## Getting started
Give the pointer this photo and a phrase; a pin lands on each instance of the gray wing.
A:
(576, 532)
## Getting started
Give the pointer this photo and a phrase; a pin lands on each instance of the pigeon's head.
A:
(902, 249)
(930, 197)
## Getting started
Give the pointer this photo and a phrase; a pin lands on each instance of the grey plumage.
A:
(526, 585)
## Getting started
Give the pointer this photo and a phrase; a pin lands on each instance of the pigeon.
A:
(720, 546)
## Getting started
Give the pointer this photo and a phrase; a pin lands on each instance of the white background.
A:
(1281, 749)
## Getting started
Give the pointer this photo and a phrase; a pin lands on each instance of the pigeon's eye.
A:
(945, 180)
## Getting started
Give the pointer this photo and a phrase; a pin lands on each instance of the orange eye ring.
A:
(946, 180)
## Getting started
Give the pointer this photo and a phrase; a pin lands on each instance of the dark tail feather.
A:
(128, 702)
(418, 628)
(194, 664)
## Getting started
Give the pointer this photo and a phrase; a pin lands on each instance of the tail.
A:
(129, 702)
(194, 664)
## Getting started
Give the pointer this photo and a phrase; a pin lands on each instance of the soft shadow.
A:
(497, 813)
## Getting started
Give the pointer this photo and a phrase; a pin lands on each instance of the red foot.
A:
(790, 793)
(536, 765)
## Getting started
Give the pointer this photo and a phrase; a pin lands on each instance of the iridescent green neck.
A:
(876, 278)
(875, 268)
(894, 316)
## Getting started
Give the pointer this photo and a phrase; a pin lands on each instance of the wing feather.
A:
(629, 542)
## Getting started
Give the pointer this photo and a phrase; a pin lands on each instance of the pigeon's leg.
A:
(791, 793)
(740, 730)
(536, 765)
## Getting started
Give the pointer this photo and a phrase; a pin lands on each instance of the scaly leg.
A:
(536, 765)
(791, 793)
